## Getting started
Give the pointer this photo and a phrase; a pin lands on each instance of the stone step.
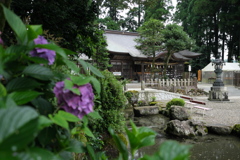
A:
(146, 110)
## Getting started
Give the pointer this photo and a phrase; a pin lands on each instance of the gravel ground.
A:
(224, 112)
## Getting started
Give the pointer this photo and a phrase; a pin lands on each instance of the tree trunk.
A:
(223, 45)
(167, 58)
(6, 3)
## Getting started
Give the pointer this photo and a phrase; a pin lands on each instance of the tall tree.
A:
(73, 20)
(157, 9)
(151, 38)
(175, 39)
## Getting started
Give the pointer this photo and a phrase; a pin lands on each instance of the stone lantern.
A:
(218, 92)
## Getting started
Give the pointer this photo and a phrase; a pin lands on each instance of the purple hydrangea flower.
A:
(42, 52)
(78, 105)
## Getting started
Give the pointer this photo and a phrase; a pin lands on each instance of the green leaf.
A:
(53, 47)
(69, 85)
(96, 84)
(71, 65)
(68, 116)
(33, 31)
(3, 91)
(38, 153)
(91, 152)
(18, 127)
(95, 115)
(44, 122)
(38, 72)
(80, 80)
(43, 106)
(88, 132)
(7, 102)
(172, 150)
(8, 155)
(119, 144)
(22, 97)
(37, 60)
(59, 120)
(16, 24)
(75, 146)
(95, 71)
(22, 84)
(84, 65)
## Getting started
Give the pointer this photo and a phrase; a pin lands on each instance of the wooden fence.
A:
(169, 84)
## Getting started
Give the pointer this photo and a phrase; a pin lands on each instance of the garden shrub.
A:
(236, 130)
(175, 101)
(110, 105)
(112, 95)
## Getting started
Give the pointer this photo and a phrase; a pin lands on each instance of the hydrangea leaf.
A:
(38, 72)
(95, 71)
(68, 116)
(96, 84)
(80, 80)
(37, 153)
(34, 31)
(16, 24)
(22, 83)
(88, 132)
(84, 65)
(3, 91)
(71, 65)
(7, 102)
(69, 85)
(75, 146)
(95, 115)
(43, 122)
(18, 127)
(59, 120)
(22, 97)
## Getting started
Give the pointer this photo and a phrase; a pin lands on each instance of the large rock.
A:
(146, 110)
(220, 129)
(128, 113)
(179, 113)
(157, 121)
(185, 128)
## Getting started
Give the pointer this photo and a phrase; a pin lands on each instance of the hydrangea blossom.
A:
(78, 105)
(42, 52)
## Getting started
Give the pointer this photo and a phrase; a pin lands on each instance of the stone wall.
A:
(159, 94)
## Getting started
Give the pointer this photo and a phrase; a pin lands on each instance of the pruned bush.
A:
(175, 101)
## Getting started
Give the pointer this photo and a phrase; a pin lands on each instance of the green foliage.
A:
(153, 99)
(175, 101)
(158, 9)
(112, 96)
(142, 137)
(175, 39)
(151, 38)
(152, 103)
(236, 129)
(142, 103)
(32, 125)
(170, 150)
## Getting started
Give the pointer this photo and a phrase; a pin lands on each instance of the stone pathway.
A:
(223, 112)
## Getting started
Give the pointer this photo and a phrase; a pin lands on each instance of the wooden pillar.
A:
(142, 71)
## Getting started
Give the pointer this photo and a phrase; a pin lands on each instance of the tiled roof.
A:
(123, 42)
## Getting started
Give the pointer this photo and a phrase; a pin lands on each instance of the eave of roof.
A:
(123, 42)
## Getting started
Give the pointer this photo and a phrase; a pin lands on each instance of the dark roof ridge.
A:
(121, 32)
